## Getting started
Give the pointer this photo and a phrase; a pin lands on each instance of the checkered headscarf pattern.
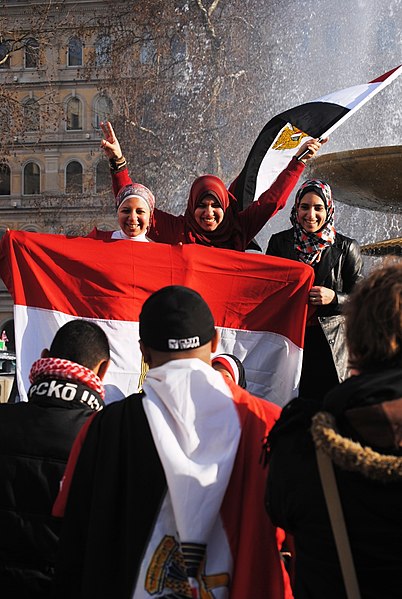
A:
(67, 370)
(310, 245)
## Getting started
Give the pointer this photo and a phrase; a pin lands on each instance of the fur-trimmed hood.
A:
(351, 455)
(359, 425)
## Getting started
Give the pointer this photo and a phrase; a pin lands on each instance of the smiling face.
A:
(134, 216)
(208, 213)
(311, 213)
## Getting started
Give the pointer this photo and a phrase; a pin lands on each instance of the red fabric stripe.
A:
(257, 569)
(111, 280)
(385, 76)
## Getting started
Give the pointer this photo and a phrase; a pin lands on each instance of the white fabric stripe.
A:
(36, 327)
(350, 96)
(196, 430)
(273, 163)
(272, 362)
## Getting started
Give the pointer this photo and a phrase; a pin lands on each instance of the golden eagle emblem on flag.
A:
(167, 571)
(289, 138)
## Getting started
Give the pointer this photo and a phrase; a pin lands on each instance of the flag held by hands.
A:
(282, 135)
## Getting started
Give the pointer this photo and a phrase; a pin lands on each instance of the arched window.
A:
(74, 177)
(178, 48)
(102, 110)
(31, 179)
(5, 177)
(31, 229)
(74, 114)
(74, 53)
(102, 50)
(102, 177)
(31, 115)
(148, 50)
(5, 116)
(4, 55)
(31, 53)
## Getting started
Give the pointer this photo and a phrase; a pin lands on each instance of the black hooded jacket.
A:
(359, 426)
(35, 441)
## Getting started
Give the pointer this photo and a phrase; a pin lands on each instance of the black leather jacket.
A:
(339, 269)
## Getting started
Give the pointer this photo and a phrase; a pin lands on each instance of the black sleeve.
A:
(273, 248)
(351, 270)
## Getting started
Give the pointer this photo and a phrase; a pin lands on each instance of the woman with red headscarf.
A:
(212, 216)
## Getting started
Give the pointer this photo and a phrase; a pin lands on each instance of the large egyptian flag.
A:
(259, 303)
(282, 135)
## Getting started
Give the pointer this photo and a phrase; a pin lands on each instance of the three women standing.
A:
(212, 217)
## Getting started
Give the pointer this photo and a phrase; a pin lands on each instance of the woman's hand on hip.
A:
(321, 296)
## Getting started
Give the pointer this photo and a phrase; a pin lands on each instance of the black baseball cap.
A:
(176, 318)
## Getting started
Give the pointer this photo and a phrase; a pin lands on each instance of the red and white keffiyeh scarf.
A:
(67, 370)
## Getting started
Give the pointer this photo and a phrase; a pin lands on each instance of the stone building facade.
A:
(53, 177)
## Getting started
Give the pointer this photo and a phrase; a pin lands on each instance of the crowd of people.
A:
(192, 487)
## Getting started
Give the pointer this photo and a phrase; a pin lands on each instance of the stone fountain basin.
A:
(369, 178)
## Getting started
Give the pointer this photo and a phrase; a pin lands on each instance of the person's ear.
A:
(146, 353)
(44, 353)
(102, 369)
(215, 341)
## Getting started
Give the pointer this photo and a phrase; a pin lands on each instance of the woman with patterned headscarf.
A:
(337, 263)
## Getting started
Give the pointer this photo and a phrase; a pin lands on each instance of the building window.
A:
(178, 48)
(102, 110)
(74, 115)
(102, 177)
(5, 118)
(74, 177)
(148, 50)
(5, 178)
(31, 179)
(102, 50)
(74, 54)
(31, 115)
(31, 229)
(4, 55)
(31, 53)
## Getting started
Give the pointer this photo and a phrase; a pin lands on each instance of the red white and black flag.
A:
(259, 303)
(282, 135)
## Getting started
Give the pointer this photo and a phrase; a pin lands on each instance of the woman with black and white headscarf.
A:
(337, 263)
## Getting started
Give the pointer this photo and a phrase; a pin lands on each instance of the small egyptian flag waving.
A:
(282, 135)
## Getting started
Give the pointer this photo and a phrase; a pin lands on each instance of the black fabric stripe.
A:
(313, 118)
